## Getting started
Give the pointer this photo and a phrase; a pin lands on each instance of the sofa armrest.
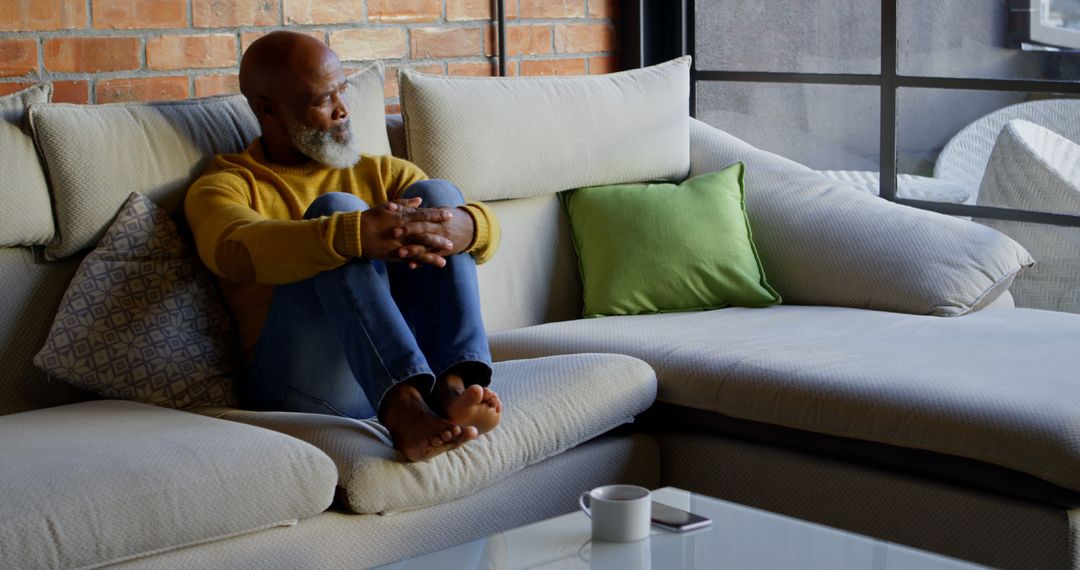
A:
(823, 242)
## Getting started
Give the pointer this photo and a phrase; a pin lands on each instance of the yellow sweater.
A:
(246, 214)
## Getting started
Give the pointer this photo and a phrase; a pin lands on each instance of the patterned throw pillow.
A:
(141, 319)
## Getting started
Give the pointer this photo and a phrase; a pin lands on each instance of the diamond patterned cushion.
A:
(141, 319)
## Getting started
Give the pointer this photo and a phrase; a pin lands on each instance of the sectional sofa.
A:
(895, 392)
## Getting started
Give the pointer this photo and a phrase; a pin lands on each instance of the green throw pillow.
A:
(656, 248)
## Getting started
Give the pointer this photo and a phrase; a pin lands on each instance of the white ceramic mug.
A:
(619, 513)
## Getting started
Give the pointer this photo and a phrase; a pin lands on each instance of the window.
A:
(890, 95)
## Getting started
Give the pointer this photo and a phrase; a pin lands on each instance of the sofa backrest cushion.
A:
(25, 213)
(30, 292)
(96, 155)
(533, 278)
(823, 242)
(499, 138)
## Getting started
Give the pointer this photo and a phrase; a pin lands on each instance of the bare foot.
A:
(417, 431)
(474, 406)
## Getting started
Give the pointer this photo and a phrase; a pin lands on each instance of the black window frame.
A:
(656, 30)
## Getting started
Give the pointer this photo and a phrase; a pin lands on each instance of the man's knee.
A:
(435, 194)
(334, 202)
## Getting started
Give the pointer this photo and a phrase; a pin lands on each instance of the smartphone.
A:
(677, 520)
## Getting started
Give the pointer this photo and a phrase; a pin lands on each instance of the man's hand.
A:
(401, 230)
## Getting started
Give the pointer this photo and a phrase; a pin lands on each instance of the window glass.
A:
(987, 39)
(824, 36)
(950, 135)
(834, 127)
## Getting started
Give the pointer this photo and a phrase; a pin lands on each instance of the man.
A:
(350, 298)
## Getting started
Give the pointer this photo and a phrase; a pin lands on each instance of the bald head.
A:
(282, 59)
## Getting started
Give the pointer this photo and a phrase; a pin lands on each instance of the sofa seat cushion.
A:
(995, 386)
(102, 481)
(549, 405)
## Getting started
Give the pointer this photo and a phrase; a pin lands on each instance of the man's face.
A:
(317, 116)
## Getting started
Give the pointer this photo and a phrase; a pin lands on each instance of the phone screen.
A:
(678, 519)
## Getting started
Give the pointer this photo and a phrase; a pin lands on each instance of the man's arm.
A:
(239, 244)
(472, 228)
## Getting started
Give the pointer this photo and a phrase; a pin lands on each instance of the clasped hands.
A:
(400, 230)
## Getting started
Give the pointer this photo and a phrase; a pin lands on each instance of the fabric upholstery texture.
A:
(93, 165)
(969, 524)
(549, 406)
(534, 277)
(114, 479)
(337, 540)
(1033, 168)
(26, 218)
(960, 387)
(516, 137)
(823, 242)
(142, 320)
(657, 248)
(908, 186)
(30, 292)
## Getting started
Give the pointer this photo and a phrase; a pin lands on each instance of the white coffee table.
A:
(740, 537)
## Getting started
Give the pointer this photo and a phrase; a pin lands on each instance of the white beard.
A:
(322, 147)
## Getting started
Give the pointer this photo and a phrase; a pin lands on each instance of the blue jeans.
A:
(335, 343)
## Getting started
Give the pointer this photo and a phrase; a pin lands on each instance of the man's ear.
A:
(264, 108)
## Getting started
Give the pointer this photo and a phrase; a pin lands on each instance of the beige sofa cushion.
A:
(823, 242)
(549, 406)
(96, 155)
(525, 136)
(25, 213)
(102, 481)
(142, 319)
(997, 386)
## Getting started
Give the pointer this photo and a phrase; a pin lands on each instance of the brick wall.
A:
(98, 51)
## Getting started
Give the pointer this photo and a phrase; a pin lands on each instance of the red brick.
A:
(247, 37)
(207, 85)
(323, 11)
(38, 15)
(446, 42)
(142, 89)
(603, 64)
(526, 40)
(132, 14)
(553, 67)
(603, 9)
(584, 38)
(458, 10)
(404, 10)
(233, 13)
(474, 69)
(183, 52)
(552, 9)
(71, 92)
(369, 43)
(18, 57)
(390, 83)
(91, 54)
(9, 88)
